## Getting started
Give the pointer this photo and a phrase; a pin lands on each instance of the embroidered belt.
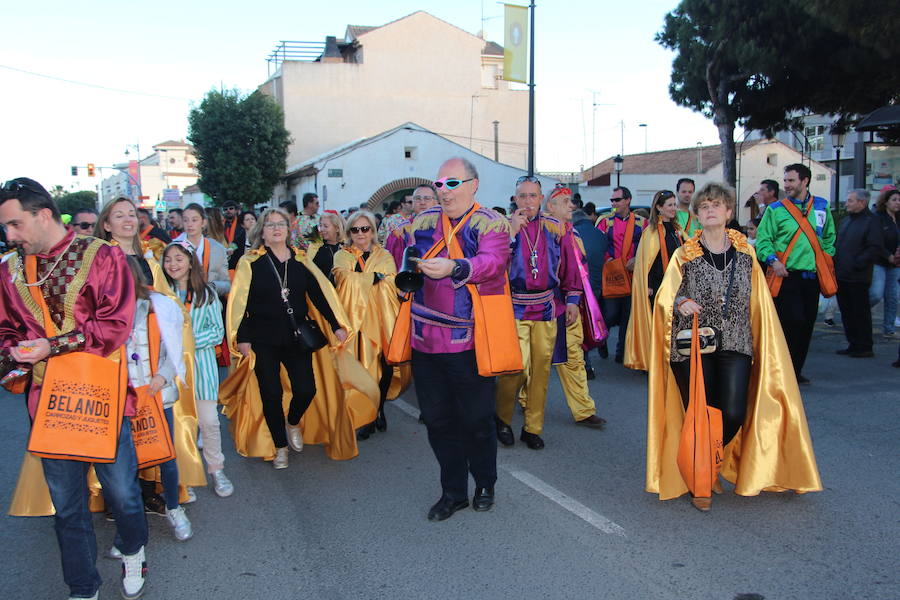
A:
(532, 298)
(423, 314)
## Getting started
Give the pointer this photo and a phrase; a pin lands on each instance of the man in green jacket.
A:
(798, 302)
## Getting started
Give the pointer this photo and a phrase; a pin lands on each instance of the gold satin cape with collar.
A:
(637, 338)
(31, 497)
(346, 395)
(773, 451)
(372, 309)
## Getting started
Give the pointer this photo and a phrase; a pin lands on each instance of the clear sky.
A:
(158, 59)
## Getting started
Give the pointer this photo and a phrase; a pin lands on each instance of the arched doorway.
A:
(385, 191)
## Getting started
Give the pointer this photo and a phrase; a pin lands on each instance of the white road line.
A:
(405, 407)
(570, 504)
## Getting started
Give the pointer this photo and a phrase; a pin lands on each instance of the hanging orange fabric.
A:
(700, 451)
(229, 231)
(616, 278)
(82, 402)
(223, 356)
(149, 428)
(773, 280)
(663, 249)
(824, 262)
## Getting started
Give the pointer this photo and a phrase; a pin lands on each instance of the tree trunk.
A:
(729, 161)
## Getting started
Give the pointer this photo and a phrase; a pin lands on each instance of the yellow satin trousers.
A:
(572, 375)
(536, 341)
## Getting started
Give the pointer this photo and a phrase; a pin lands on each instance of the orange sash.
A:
(700, 448)
(616, 278)
(82, 402)
(149, 428)
(229, 231)
(824, 262)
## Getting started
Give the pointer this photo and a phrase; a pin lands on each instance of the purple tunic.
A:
(543, 295)
(442, 309)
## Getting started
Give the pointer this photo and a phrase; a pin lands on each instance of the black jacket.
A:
(859, 244)
(890, 234)
(595, 244)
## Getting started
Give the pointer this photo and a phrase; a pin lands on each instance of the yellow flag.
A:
(515, 44)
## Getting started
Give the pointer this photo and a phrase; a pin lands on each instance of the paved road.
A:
(571, 521)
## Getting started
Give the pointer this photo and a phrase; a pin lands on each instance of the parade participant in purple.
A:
(457, 403)
(87, 287)
(543, 275)
(424, 197)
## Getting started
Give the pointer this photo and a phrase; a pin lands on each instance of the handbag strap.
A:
(730, 284)
(805, 227)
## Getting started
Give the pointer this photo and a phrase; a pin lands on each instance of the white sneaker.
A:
(114, 553)
(181, 526)
(134, 575)
(295, 438)
(222, 484)
(281, 458)
(192, 496)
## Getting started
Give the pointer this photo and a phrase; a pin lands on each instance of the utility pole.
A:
(531, 95)
(496, 141)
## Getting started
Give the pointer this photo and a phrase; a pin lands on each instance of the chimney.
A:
(331, 54)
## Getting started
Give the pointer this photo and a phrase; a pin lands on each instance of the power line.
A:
(93, 85)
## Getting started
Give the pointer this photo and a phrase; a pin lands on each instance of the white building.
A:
(647, 173)
(370, 170)
(162, 177)
(415, 69)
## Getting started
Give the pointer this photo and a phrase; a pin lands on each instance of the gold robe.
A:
(637, 338)
(346, 395)
(372, 309)
(31, 497)
(773, 450)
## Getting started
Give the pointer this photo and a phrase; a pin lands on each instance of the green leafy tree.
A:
(69, 203)
(241, 146)
(760, 64)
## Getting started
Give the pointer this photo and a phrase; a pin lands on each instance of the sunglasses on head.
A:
(17, 186)
(362, 229)
(451, 182)
(83, 225)
(529, 178)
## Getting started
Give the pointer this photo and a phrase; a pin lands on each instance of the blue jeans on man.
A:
(67, 480)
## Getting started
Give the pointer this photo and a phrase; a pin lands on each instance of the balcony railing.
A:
(292, 50)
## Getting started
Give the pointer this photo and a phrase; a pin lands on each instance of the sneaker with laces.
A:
(134, 575)
(114, 553)
(295, 438)
(281, 458)
(222, 484)
(181, 525)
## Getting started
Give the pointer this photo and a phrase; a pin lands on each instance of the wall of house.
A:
(418, 69)
(367, 168)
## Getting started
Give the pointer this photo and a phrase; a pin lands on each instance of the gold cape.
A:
(637, 338)
(773, 451)
(372, 309)
(31, 497)
(346, 395)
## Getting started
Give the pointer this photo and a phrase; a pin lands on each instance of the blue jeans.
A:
(168, 471)
(67, 480)
(885, 287)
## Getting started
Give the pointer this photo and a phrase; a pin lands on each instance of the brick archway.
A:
(395, 186)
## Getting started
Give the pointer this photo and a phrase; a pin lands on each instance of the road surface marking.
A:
(406, 407)
(570, 504)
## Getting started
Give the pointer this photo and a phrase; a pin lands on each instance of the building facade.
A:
(158, 180)
(415, 69)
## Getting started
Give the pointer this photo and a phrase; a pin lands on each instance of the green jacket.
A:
(778, 227)
(682, 217)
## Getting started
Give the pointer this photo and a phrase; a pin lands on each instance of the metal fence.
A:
(293, 50)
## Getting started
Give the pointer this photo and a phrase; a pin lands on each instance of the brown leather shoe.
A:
(593, 422)
(701, 504)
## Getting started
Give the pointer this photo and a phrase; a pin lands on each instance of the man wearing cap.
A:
(86, 289)
(546, 291)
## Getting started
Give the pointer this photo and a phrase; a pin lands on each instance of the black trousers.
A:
(797, 306)
(726, 376)
(856, 314)
(617, 311)
(458, 407)
(298, 363)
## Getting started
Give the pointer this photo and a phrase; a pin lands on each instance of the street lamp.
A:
(837, 141)
(618, 160)
(646, 128)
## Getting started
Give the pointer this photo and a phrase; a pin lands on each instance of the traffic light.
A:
(74, 171)
(90, 168)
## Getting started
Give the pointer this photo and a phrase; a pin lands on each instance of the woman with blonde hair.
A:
(277, 291)
(765, 440)
(661, 237)
(332, 231)
(364, 275)
(118, 224)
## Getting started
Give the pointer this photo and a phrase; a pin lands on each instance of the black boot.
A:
(381, 420)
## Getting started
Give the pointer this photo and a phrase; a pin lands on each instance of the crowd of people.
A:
(320, 319)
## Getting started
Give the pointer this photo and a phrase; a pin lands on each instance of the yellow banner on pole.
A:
(515, 44)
